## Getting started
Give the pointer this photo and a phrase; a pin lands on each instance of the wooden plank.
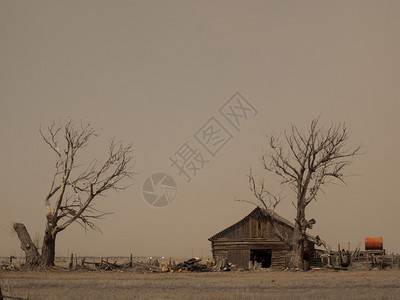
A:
(239, 258)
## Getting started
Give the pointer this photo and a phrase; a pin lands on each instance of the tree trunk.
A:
(296, 253)
(32, 257)
(48, 250)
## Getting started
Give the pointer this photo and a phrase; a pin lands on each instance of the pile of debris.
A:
(194, 264)
(191, 265)
(150, 266)
(103, 265)
(8, 267)
(222, 265)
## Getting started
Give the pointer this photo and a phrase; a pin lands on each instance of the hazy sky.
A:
(154, 72)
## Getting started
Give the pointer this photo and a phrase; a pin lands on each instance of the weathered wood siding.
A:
(241, 231)
(260, 227)
(252, 233)
(240, 257)
(237, 251)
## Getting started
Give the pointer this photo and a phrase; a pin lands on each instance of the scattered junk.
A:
(222, 265)
(374, 257)
(9, 265)
(374, 251)
(345, 259)
(103, 265)
(339, 260)
(194, 265)
(106, 265)
(191, 265)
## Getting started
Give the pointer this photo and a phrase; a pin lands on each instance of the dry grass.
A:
(321, 284)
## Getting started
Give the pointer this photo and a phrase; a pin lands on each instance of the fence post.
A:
(71, 263)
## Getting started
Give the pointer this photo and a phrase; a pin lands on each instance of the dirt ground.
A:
(315, 284)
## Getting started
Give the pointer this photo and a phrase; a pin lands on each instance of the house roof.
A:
(257, 210)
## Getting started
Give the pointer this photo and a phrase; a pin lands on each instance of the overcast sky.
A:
(154, 72)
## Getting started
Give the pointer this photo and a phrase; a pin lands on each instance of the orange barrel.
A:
(374, 243)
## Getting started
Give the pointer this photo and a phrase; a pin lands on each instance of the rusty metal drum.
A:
(373, 243)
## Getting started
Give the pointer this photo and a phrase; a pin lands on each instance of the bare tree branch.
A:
(72, 193)
(306, 162)
(269, 202)
(73, 189)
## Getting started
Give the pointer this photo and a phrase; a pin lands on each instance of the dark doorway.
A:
(261, 256)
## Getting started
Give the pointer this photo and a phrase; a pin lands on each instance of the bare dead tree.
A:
(304, 162)
(72, 189)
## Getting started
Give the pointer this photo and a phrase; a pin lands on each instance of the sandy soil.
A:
(316, 284)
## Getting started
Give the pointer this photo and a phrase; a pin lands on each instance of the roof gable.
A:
(256, 211)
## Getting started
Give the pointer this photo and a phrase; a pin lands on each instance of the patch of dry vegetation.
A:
(324, 284)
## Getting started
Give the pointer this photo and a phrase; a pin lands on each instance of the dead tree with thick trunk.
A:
(305, 162)
(31, 252)
(73, 189)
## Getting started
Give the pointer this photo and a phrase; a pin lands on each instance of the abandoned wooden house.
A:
(254, 239)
